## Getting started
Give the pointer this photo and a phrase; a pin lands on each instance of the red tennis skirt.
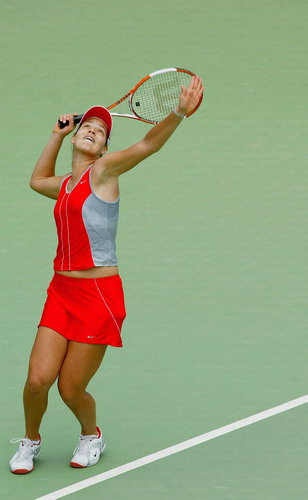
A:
(88, 310)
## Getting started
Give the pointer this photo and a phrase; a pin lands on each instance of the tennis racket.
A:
(154, 97)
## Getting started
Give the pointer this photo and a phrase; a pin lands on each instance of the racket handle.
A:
(76, 119)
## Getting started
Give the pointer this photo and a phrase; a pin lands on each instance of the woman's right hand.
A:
(68, 128)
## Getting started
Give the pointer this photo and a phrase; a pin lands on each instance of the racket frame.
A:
(130, 94)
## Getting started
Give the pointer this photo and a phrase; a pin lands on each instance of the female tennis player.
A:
(84, 310)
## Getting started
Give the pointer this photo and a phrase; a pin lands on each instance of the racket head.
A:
(156, 95)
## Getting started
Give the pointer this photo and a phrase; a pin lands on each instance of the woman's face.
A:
(91, 137)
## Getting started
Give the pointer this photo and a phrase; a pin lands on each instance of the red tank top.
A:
(86, 227)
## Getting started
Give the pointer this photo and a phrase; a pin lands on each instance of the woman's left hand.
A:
(190, 96)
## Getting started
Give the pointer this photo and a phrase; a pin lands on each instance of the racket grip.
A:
(76, 119)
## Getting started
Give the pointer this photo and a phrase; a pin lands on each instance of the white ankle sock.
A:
(36, 442)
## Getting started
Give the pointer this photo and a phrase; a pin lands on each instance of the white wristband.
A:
(178, 114)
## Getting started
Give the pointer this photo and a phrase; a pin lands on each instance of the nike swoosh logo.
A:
(81, 182)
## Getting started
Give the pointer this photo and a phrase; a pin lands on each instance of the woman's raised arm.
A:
(43, 179)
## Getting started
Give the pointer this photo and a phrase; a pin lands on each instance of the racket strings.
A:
(157, 96)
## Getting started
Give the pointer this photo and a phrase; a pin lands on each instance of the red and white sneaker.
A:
(22, 461)
(89, 450)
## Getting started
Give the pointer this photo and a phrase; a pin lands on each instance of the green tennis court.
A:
(212, 246)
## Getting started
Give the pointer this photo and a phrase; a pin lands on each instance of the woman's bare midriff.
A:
(93, 272)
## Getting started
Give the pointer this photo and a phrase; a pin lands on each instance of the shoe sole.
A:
(78, 466)
(21, 471)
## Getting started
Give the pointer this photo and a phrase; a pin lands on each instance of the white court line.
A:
(175, 449)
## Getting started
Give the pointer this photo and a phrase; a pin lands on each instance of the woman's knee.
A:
(37, 383)
(68, 391)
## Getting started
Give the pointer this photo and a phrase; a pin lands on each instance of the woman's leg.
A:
(46, 359)
(80, 364)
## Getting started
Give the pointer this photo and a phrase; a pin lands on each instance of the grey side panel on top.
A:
(101, 222)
